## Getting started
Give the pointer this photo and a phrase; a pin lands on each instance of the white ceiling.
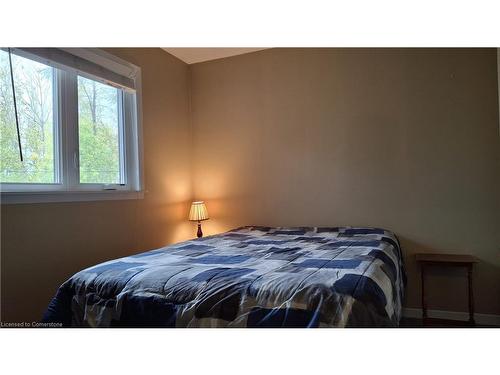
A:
(196, 55)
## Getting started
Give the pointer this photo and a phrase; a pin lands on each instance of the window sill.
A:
(67, 196)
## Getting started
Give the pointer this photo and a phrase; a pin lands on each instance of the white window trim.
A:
(71, 190)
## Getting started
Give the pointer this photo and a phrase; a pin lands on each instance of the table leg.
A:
(471, 296)
(424, 301)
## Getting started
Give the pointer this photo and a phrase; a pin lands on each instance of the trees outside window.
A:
(99, 132)
(34, 84)
(50, 113)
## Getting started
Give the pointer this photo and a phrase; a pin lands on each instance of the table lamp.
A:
(198, 213)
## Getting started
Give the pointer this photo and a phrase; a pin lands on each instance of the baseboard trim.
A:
(486, 319)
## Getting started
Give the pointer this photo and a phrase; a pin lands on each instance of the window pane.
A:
(99, 132)
(34, 94)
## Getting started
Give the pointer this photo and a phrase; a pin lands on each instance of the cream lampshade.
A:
(198, 212)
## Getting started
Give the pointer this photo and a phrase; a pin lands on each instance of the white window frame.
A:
(67, 187)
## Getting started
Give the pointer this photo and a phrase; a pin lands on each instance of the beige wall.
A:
(44, 244)
(402, 139)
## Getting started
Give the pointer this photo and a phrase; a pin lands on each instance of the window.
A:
(35, 92)
(99, 132)
(79, 127)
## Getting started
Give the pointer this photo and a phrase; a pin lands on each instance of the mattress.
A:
(247, 277)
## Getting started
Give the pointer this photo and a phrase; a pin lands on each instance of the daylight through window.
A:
(34, 84)
(78, 124)
(99, 129)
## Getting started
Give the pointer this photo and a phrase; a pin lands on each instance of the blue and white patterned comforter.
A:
(247, 277)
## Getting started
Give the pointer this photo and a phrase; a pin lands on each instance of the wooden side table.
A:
(446, 260)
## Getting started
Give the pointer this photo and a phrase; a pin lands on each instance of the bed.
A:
(247, 277)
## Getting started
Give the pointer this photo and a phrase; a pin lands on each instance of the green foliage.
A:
(99, 157)
(97, 117)
(33, 82)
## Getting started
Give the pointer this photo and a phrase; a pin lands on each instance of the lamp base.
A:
(199, 233)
